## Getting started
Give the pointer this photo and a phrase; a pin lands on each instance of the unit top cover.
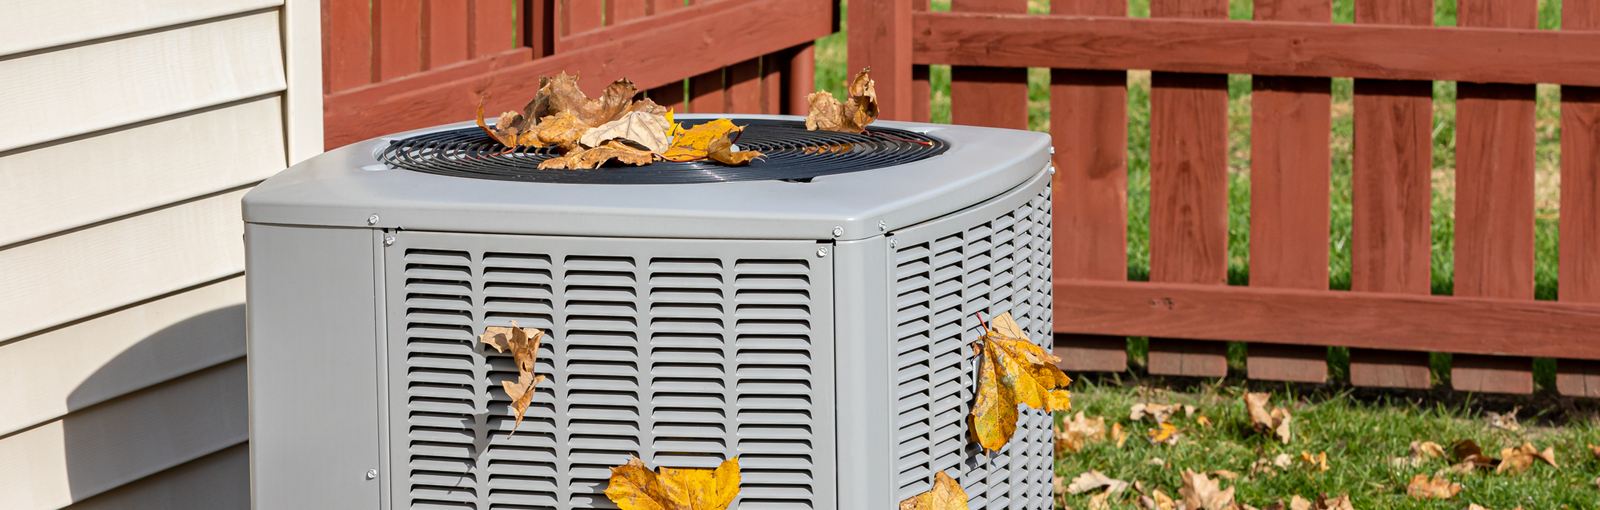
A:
(812, 185)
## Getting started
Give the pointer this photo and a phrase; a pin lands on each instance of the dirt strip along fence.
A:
(1287, 314)
(394, 65)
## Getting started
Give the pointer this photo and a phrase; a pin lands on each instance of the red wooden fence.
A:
(393, 65)
(1287, 314)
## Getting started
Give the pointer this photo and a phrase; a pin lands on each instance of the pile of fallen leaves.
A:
(613, 127)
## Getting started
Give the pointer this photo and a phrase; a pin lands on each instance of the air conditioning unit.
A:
(810, 314)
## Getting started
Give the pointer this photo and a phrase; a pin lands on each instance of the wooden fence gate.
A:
(394, 65)
(1287, 314)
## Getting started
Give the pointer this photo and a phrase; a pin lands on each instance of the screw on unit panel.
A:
(388, 240)
(1052, 149)
(883, 225)
(894, 242)
(372, 473)
(1052, 169)
(822, 252)
(372, 220)
(838, 231)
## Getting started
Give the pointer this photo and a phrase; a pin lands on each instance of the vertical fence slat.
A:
(347, 44)
(774, 70)
(1579, 273)
(802, 78)
(538, 26)
(1391, 197)
(669, 95)
(1089, 125)
(1188, 191)
(921, 89)
(743, 90)
(989, 96)
(705, 92)
(1494, 197)
(1289, 185)
(880, 38)
(493, 27)
(579, 16)
(444, 32)
(622, 11)
(396, 45)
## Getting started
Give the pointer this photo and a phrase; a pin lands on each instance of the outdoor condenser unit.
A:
(810, 313)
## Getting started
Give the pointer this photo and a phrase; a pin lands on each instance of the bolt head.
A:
(883, 225)
(894, 242)
(372, 473)
(372, 220)
(822, 252)
(838, 231)
(388, 240)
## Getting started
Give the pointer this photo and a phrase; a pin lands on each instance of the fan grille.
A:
(792, 153)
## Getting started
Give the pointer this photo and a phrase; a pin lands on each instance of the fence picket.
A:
(493, 28)
(444, 32)
(989, 96)
(1391, 195)
(396, 45)
(705, 92)
(881, 39)
(921, 88)
(539, 27)
(802, 78)
(1289, 185)
(347, 47)
(1089, 125)
(1579, 273)
(620, 11)
(742, 93)
(774, 71)
(579, 16)
(1494, 197)
(1188, 191)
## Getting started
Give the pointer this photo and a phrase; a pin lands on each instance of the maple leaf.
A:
(1264, 417)
(1091, 480)
(859, 109)
(1421, 451)
(946, 494)
(1516, 460)
(644, 130)
(1424, 486)
(524, 346)
(635, 487)
(1013, 370)
(1201, 493)
(593, 158)
(709, 140)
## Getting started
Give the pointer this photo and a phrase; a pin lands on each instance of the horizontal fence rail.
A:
(1287, 314)
(395, 65)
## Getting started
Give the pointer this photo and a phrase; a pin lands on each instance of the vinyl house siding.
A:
(129, 129)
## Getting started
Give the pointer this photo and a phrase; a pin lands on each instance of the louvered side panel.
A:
(988, 260)
(684, 353)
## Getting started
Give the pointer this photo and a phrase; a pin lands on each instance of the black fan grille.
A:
(793, 154)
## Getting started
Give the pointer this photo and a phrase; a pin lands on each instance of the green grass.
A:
(1359, 437)
(831, 75)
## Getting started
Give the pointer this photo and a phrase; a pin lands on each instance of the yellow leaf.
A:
(524, 346)
(1011, 371)
(1164, 433)
(1118, 435)
(1517, 460)
(709, 140)
(1318, 463)
(1201, 493)
(1424, 486)
(1264, 417)
(635, 487)
(1158, 501)
(859, 109)
(946, 494)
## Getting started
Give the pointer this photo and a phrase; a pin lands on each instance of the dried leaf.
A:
(1264, 417)
(946, 494)
(1203, 421)
(1506, 421)
(505, 130)
(1421, 451)
(1012, 371)
(1595, 451)
(1318, 463)
(1118, 434)
(565, 96)
(1158, 501)
(593, 158)
(1157, 412)
(1223, 474)
(859, 109)
(523, 343)
(710, 140)
(1295, 503)
(560, 130)
(1098, 501)
(636, 487)
(1164, 433)
(648, 131)
(1156, 461)
(1201, 493)
(1467, 456)
(1091, 480)
(1078, 431)
(1423, 487)
(1516, 460)
(1340, 503)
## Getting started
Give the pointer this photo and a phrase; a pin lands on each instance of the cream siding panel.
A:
(303, 48)
(89, 271)
(220, 481)
(68, 185)
(97, 449)
(33, 24)
(119, 353)
(84, 89)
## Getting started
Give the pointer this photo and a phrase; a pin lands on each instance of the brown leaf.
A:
(1077, 431)
(1157, 412)
(1516, 460)
(1223, 474)
(1118, 434)
(946, 494)
(1595, 451)
(1091, 480)
(1340, 503)
(1012, 370)
(523, 343)
(636, 487)
(1506, 421)
(1098, 501)
(1421, 451)
(1201, 493)
(1468, 456)
(1264, 417)
(859, 109)
(560, 130)
(1423, 487)
(593, 158)
(1318, 463)
(1158, 501)
(647, 131)
(565, 96)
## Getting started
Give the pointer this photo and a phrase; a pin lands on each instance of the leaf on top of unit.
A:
(1013, 370)
(709, 140)
(647, 131)
(946, 494)
(859, 109)
(523, 343)
(635, 487)
(593, 158)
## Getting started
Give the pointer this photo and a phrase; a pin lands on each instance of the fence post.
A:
(1391, 196)
(1580, 202)
(1289, 181)
(880, 38)
(1494, 197)
(1188, 191)
(1089, 126)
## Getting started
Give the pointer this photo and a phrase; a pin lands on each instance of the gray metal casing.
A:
(686, 324)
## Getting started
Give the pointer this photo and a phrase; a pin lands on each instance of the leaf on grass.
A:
(593, 158)
(946, 494)
(709, 140)
(1203, 421)
(1157, 501)
(1201, 493)
(1467, 456)
(1223, 474)
(1507, 421)
(1519, 459)
(1421, 451)
(1317, 463)
(1156, 412)
(859, 109)
(1078, 431)
(1264, 417)
(1118, 435)
(1013, 370)
(1164, 433)
(1156, 461)
(1295, 503)
(523, 343)
(1424, 486)
(1098, 501)
(1595, 451)
(647, 131)
(1091, 480)
(636, 487)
